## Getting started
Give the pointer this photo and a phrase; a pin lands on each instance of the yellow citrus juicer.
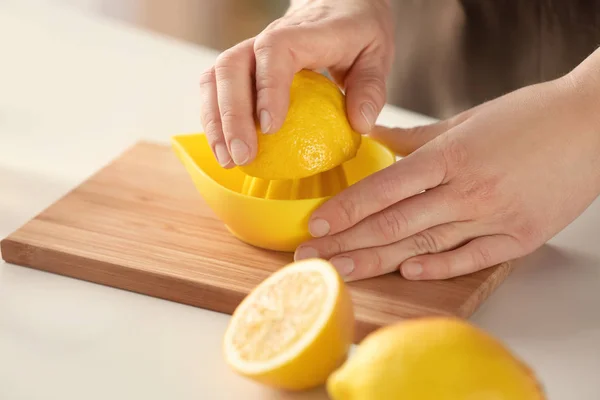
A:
(271, 214)
(314, 155)
(327, 183)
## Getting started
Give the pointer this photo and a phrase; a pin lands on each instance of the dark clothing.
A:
(454, 54)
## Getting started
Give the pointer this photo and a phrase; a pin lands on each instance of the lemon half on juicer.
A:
(316, 135)
(314, 156)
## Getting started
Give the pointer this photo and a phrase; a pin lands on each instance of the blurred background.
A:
(450, 54)
(218, 24)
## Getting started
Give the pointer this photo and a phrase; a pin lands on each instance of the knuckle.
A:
(425, 243)
(482, 257)
(386, 192)
(479, 191)
(273, 25)
(236, 57)
(374, 86)
(226, 62)
(347, 211)
(229, 114)
(391, 224)
(333, 246)
(454, 153)
(207, 77)
(267, 40)
(212, 127)
(266, 81)
(276, 45)
(375, 263)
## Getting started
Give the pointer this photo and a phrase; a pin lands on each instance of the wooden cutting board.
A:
(140, 225)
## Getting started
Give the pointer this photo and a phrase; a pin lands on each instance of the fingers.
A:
(375, 261)
(406, 178)
(285, 50)
(365, 91)
(251, 82)
(275, 69)
(234, 76)
(480, 253)
(401, 220)
(211, 118)
(404, 141)
(227, 106)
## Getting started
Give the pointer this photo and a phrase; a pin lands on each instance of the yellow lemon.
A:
(293, 329)
(315, 137)
(436, 358)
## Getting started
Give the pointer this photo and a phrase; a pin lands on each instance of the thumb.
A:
(365, 91)
(404, 141)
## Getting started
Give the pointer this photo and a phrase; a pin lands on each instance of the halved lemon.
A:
(315, 137)
(294, 329)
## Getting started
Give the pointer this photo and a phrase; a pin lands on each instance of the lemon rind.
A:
(333, 284)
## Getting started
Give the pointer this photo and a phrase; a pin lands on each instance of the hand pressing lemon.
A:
(316, 135)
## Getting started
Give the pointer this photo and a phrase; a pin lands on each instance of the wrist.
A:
(585, 81)
(589, 69)
(582, 86)
(581, 96)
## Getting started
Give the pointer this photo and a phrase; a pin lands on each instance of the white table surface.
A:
(74, 92)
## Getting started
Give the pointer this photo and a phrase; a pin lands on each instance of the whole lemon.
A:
(435, 358)
(315, 137)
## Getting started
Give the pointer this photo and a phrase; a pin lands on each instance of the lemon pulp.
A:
(294, 328)
(281, 315)
(328, 183)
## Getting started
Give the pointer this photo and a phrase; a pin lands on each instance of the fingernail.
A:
(318, 227)
(222, 154)
(239, 151)
(369, 114)
(265, 121)
(412, 269)
(344, 265)
(303, 253)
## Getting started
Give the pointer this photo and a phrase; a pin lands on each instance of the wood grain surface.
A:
(140, 225)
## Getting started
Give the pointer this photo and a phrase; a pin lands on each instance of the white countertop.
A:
(75, 91)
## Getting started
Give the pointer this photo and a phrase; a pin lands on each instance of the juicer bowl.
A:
(273, 224)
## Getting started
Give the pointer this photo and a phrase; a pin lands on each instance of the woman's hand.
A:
(251, 81)
(490, 185)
